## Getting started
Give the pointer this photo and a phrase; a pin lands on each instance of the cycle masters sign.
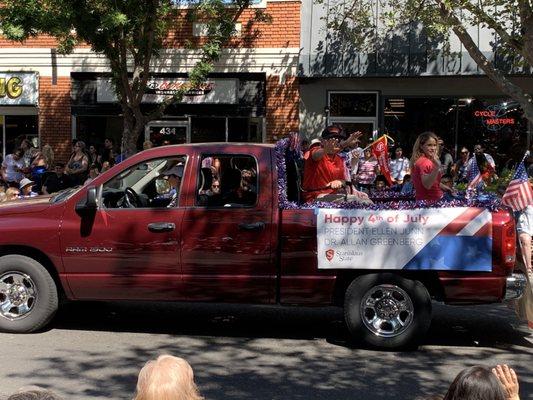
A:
(453, 239)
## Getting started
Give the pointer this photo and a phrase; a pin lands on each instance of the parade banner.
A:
(443, 239)
(381, 152)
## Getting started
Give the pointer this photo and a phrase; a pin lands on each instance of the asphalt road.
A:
(95, 350)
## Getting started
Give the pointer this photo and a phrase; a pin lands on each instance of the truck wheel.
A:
(387, 311)
(28, 294)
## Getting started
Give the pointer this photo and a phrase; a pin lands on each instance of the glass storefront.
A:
(15, 128)
(496, 123)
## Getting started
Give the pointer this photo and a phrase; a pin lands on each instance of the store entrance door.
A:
(167, 132)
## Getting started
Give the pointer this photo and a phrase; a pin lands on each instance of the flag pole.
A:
(387, 136)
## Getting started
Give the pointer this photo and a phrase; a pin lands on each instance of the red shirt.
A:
(424, 166)
(318, 174)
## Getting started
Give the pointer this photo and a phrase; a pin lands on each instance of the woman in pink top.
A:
(425, 167)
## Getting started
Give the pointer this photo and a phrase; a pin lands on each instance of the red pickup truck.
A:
(219, 235)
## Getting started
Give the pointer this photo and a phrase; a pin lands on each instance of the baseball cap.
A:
(25, 182)
(314, 142)
(333, 131)
(175, 170)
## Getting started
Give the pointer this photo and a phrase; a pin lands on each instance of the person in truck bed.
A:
(324, 169)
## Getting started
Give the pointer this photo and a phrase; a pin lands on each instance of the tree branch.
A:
(504, 84)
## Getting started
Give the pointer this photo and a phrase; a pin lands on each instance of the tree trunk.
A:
(130, 133)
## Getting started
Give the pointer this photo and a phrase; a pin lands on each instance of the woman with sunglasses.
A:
(459, 168)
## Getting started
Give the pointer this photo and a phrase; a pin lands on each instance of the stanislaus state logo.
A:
(329, 254)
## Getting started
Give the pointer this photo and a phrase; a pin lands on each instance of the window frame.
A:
(228, 155)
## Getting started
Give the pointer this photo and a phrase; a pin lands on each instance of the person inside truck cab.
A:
(174, 176)
(324, 169)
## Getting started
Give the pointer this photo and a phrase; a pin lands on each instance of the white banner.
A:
(18, 88)
(214, 91)
(436, 238)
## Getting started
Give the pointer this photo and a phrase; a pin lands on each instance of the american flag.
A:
(474, 175)
(518, 194)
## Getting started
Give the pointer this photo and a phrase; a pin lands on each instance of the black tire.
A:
(387, 294)
(36, 301)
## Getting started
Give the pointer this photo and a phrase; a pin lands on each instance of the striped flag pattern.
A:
(474, 175)
(518, 194)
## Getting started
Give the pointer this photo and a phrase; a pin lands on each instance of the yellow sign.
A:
(11, 87)
(1, 120)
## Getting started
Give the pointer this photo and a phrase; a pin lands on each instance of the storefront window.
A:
(19, 127)
(498, 124)
(94, 129)
(244, 130)
(208, 129)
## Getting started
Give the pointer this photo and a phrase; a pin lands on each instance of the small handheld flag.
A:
(474, 176)
(518, 194)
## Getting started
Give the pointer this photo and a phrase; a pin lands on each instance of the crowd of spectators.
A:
(29, 171)
(172, 378)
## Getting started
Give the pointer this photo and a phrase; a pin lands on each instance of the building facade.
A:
(251, 97)
(406, 87)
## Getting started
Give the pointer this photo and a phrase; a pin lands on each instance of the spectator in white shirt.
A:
(399, 166)
(12, 167)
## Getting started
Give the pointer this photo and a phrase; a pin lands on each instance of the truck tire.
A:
(28, 294)
(387, 311)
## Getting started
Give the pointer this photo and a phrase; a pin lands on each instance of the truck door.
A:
(227, 250)
(129, 247)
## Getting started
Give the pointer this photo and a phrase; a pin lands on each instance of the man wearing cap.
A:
(25, 187)
(324, 169)
(174, 176)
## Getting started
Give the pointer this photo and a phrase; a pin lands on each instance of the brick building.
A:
(252, 96)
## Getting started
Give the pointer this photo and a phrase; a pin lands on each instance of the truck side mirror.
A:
(89, 203)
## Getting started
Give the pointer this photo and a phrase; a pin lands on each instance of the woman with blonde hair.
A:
(425, 168)
(167, 378)
(42, 162)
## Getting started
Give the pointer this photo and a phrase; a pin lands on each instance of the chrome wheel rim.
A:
(387, 310)
(18, 295)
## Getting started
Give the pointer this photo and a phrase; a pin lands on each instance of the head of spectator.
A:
(106, 165)
(147, 145)
(59, 169)
(109, 143)
(12, 193)
(25, 187)
(94, 171)
(18, 154)
(3, 197)
(215, 187)
(48, 155)
(406, 178)
(380, 183)
(475, 383)
(478, 149)
(167, 378)
(93, 152)
(34, 394)
(464, 154)
(398, 153)
(25, 145)
(334, 135)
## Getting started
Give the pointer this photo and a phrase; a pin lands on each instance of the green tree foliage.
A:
(367, 23)
(131, 34)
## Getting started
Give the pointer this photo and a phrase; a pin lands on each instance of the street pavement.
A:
(95, 350)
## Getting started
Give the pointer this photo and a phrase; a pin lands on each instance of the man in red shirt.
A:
(324, 169)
